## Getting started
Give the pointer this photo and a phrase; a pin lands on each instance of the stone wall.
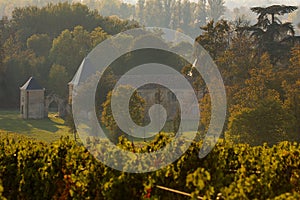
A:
(32, 104)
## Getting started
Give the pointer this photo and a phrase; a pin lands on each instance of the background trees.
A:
(267, 122)
(69, 49)
(186, 15)
(271, 34)
(215, 38)
(259, 82)
(49, 43)
(40, 44)
(216, 9)
(201, 10)
(292, 90)
(58, 81)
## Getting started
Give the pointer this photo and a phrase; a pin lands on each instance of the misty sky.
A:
(249, 3)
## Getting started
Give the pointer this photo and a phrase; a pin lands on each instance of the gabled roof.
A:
(31, 84)
(82, 73)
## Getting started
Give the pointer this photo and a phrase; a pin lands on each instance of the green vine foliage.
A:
(67, 170)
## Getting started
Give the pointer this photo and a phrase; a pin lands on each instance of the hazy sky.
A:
(249, 3)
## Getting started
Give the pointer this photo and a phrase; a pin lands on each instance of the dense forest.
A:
(33, 43)
(183, 15)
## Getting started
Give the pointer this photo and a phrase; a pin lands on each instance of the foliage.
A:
(185, 15)
(267, 122)
(35, 40)
(67, 170)
(215, 37)
(216, 9)
(136, 110)
(57, 79)
(40, 44)
(272, 35)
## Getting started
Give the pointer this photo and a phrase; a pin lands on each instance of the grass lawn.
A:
(47, 130)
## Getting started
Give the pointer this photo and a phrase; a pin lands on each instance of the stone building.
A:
(32, 100)
(151, 93)
(81, 75)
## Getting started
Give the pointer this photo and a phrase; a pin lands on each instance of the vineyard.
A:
(31, 169)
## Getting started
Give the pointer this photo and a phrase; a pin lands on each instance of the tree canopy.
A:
(271, 34)
(39, 41)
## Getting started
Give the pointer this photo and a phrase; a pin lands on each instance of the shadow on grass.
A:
(44, 124)
(11, 121)
(14, 125)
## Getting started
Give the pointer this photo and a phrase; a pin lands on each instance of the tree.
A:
(18, 69)
(136, 109)
(2, 71)
(186, 13)
(237, 60)
(291, 87)
(69, 49)
(177, 14)
(58, 80)
(97, 36)
(35, 39)
(292, 73)
(126, 10)
(205, 107)
(292, 106)
(140, 11)
(271, 34)
(257, 113)
(201, 13)
(31, 20)
(154, 13)
(40, 44)
(216, 9)
(267, 122)
(105, 85)
(263, 18)
(215, 38)
(260, 85)
(92, 4)
(59, 17)
(109, 7)
(167, 6)
(62, 51)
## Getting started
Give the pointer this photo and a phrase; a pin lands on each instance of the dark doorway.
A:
(53, 108)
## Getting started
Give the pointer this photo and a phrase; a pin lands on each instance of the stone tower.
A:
(32, 100)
